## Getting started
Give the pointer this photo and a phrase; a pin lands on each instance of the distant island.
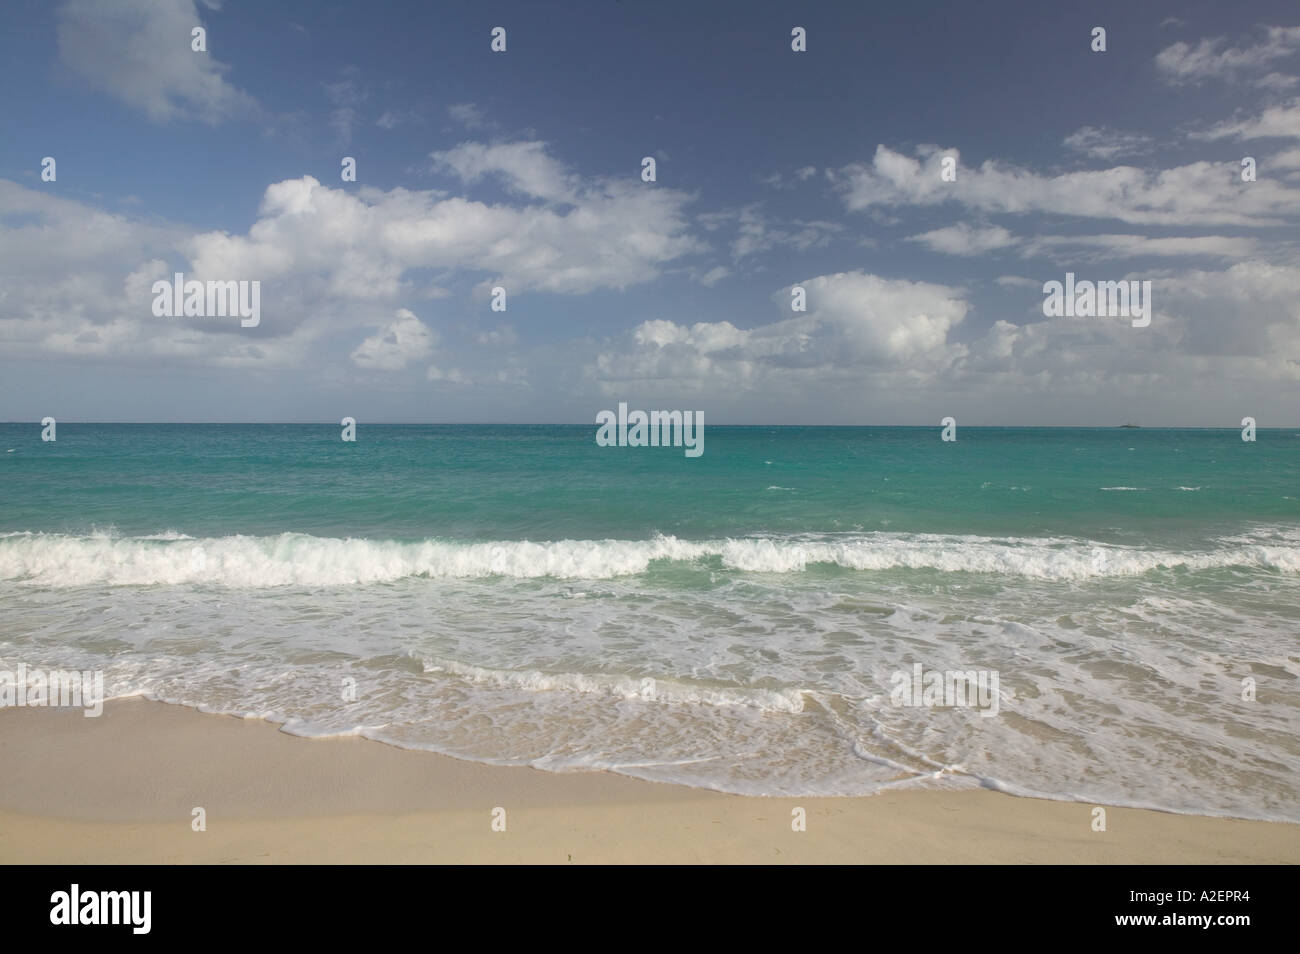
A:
(1130, 425)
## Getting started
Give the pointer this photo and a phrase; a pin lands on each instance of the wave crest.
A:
(289, 559)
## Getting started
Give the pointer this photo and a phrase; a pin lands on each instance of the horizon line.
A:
(300, 423)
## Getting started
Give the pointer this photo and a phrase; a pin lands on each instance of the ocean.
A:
(747, 621)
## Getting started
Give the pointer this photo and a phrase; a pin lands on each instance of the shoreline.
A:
(123, 788)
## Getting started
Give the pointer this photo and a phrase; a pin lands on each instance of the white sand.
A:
(122, 788)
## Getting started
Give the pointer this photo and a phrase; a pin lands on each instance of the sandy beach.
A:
(122, 788)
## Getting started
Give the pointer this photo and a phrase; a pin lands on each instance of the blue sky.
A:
(774, 169)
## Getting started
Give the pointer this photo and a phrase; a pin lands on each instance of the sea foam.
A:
(58, 560)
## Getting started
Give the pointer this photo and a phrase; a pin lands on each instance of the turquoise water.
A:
(512, 483)
(521, 595)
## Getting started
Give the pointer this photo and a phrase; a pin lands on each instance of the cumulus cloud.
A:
(360, 244)
(328, 259)
(885, 338)
(396, 344)
(854, 320)
(1263, 300)
(139, 51)
(1200, 193)
(525, 168)
(77, 281)
(883, 321)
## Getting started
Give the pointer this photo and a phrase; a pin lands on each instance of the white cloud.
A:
(1107, 247)
(1200, 193)
(963, 239)
(1102, 143)
(468, 115)
(854, 321)
(778, 180)
(359, 244)
(451, 376)
(887, 347)
(1263, 300)
(75, 280)
(1277, 81)
(755, 233)
(712, 276)
(396, 344)
(524, 166)
(1286, 160)
(1276, 122)
(1183, 63)
(139, 51)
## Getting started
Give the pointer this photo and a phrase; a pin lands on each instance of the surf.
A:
(295, 559)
